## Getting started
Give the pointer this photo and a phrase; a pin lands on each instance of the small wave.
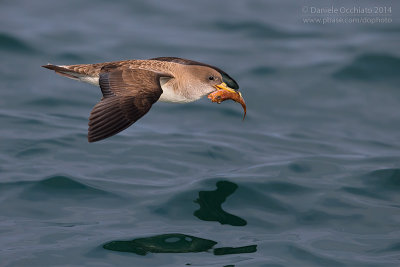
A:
(362, 192)
(299, 167)
(256, 197)
(49, 102)
(379, 184)
(13, 44)
(318, 217)
(262, 70)
(63, 183)
(395, 247)
(60, 186)
(70, 57)
(214, 152)
(310, 258)
(21, 117)
(284, 188)
(29, 152)
(371, 67)
(258, 30)
(331, 202)
(384, 179)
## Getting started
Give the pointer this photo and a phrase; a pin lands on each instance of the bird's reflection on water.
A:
(210, 205)
(237, 250)
(166, 243)
(210, 210)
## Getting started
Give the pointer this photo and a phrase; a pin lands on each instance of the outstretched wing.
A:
(128, 94)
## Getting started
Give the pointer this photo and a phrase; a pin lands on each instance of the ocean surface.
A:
(311, 177)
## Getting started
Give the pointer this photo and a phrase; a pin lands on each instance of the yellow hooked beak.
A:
(219, 96)
(223, 86)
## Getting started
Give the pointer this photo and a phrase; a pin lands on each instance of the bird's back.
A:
(90, 72)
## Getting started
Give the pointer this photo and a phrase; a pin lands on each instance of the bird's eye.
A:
(211, 78)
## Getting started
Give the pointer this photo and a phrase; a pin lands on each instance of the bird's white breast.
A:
(169, 94)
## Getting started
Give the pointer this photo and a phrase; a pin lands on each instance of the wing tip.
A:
(92, 139)
(107, 119)
(49, 66)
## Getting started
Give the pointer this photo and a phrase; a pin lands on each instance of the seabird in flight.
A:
(131, 87)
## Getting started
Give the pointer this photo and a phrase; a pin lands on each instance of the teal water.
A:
(311, 177)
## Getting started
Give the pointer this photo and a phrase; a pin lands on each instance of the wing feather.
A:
(128, 95)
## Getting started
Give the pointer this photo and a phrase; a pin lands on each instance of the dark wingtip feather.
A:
(62, 71)
(113, 115)
(49, 66)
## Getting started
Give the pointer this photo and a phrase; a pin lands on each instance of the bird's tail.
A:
(88, 73)
(64, 71)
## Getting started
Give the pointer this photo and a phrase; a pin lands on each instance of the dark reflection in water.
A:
(173, 243)
(210, 205)
(210, 210)
(238, 250)
(167, 243)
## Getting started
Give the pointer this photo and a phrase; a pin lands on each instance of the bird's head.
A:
(220, 86)
(208, 80)
(203, 79)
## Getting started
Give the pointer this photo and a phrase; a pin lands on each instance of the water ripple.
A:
(258, 30)
(371, 67)
(62, 187)
(12, 44)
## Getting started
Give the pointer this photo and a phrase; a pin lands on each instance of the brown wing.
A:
(128, 94)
